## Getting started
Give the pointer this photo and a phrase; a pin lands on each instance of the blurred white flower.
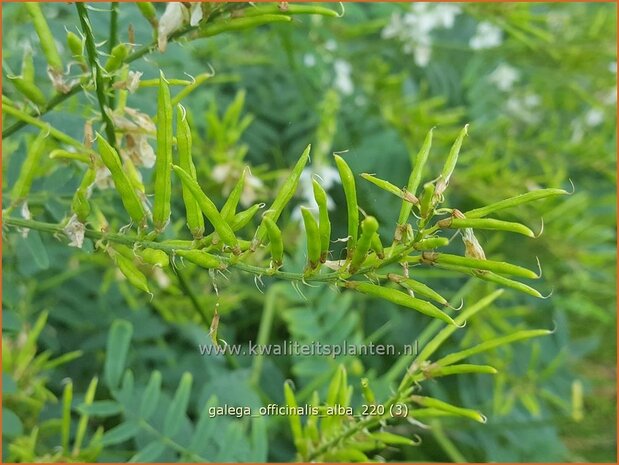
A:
(133, 81)
(524, 107)
(487, 35)
(174, 16)
(196, 13)
(343, 81)
(594, 117)
(504, 76)
(327, 176)
(331, 45)
(414, 28)
(309, 60)
(612, 67)
(228, 175)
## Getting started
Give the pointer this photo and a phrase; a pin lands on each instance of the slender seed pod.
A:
(490, 265)
(324, 223)
(295, 420)
(217, 27)
(427, 200)
(313, 239)
(27, 65)
(154, 257)
(367, 392)
(132, 273)
(417, 287)
(229, 208)
(124, 250)
(514, 201)
(66, 155)
(311, 425)
(243, 218)
(209, 209)
(29, 90)
(392, 439)
(440, 405)
(148, 11)
(117, 57)
(400, 298)
(46, 39)
(350, 191)
(195, 219)
(201, 258)
(369, 226)
(377, 246)
(134, 175)
(485, 223)
(163, 180)
(76, 45)
(436, 372)
(450, 164)
(22, 185)
(125, 189)
(431, 243)
(284, 195)
(391, 188)
(275, 239)
(289, 9)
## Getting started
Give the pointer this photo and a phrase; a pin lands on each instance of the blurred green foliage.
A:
(536, 83)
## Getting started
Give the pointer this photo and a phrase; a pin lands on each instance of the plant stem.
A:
(97, 72)
(112, 41)
(446, 444)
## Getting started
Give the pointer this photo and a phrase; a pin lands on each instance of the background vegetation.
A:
(536, 83)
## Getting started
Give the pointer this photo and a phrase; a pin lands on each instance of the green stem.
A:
(97, 72)
(446, 444)
(264, 331)
(113, 40)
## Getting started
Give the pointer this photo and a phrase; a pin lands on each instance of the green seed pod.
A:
(502, 281)
(450, 164)
(444, 406)
(369, 226)
(513, 201)
(400, 298)
(391, 188)
(350, 191)
(289, 9)
(275, 239)
(485, 223)
(367, 392)
(284, 195)
(311, 426)
(195, 219)
(31, 164)
(29, 90)
(415, 177)
(295, 420)
(148, 11)
(436, 372)
(217, 27)
(132, 273)
(392, 439)
(417, 287)
(324, 223)
(431, 243)
(178, 243)
(27, 66)
(46, 39)
(125, 251)
(229, 208)
(201, 258)
(66, 155)
(243, 218)
(427, 200)
(134, 175)
(80, 205)
(125, 189)
(313, 239)
(209, 209)
(490, 265)
(76, 45)
(155, 257)
(377, 246)
(116, 58)
(163, 180)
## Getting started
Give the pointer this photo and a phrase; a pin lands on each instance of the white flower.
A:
(487, 35)
(327, 176)
(343, 81)
(133, 81)
(331, 45)
(594, 117)
(504, 77)
(174, 16)
(612, 67)
(75, 232)
(309, 60)
(196, 13)
(523, 107)
(25, 213)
